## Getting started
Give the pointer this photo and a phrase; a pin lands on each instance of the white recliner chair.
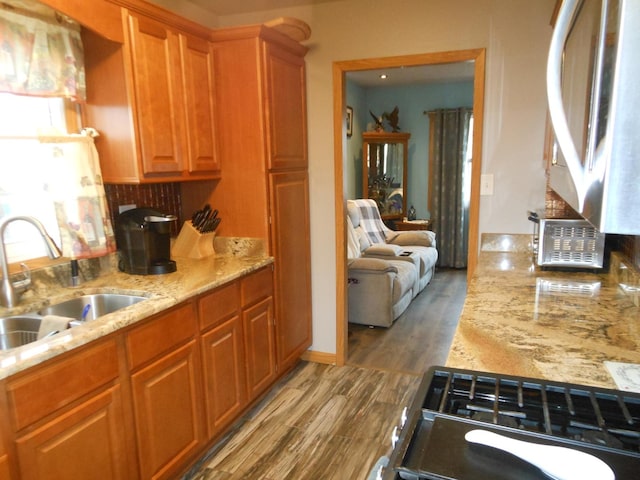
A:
(383, 276)
(384, 242)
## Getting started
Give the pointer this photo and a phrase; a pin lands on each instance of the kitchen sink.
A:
(90, 307)
(18, 330)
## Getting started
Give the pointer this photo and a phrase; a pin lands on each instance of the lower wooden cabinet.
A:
(68, 417)
(147, 402)
(260, 346)
(238, 346)
(167, 413)
(84, 442)
(224, 375)
(165, 385)
(5, 461)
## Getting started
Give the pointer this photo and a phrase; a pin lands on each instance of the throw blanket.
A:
(370, 220)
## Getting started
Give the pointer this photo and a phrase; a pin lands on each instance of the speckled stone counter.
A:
(559, 325)
(234, 259)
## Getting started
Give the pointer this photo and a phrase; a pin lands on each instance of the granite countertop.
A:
(558, 325)
(193, 277)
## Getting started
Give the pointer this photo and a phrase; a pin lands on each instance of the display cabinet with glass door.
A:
(384, 172)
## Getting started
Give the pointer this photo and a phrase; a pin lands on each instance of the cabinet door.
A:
(155, 52)
(259, 346)
(198, 80)
(225, 383)
(167, 411)
(290, 244)
(85, 442)
(5, 471)
(286, 108)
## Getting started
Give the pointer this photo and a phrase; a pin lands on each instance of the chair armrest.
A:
(423, 238)
(383, 250)
(371, 265)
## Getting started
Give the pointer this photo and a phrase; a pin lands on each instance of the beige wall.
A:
(515, 34)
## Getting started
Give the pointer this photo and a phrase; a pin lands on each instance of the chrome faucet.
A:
(9, 292)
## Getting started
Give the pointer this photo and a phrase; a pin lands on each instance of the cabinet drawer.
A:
(47, 389)
(160, 335)
(256, 286)
(219, 305)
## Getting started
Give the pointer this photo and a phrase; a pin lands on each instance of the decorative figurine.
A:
(393, 119)
(379, 127)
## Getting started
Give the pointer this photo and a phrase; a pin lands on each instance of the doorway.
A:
(340, 69)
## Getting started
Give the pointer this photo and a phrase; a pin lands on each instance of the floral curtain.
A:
(39, 57)
(450, 170)
(64, 171)
(74, 184)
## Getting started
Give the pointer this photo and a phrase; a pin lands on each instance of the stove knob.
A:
(403, 417)
(394, 437)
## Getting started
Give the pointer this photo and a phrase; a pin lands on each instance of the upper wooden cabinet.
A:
(199, 100)
(152, 100)
(157, 83)
(286, 113)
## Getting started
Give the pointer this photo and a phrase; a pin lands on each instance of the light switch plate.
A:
(486, 184)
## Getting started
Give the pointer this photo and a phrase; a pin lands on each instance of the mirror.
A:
(384, 171)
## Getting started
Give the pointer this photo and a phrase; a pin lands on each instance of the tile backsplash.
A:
(164, 197)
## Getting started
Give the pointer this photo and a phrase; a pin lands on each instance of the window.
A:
(20, 183)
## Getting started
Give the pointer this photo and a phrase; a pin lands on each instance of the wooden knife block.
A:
(193, 244)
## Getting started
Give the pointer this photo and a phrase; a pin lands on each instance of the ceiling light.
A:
(383, 76)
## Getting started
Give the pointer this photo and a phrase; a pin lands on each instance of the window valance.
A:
(41, 58)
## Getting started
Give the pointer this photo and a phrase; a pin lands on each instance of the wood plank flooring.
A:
(421, 336)
(324, 422)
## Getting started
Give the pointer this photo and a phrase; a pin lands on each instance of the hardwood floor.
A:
(421, 336)
(333, 423)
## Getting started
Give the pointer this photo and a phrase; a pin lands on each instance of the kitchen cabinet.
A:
(163, 357)
(238, 346)
(152, 101)
(6, 465)
(148, 400)
(155, 54)
(263, 149)
(68, 417)
(258, 323)
(223, 356)
(290, 205)
(199, 100)
(286, 108)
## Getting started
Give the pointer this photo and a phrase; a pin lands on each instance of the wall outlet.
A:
(124, 208)
(486, 184)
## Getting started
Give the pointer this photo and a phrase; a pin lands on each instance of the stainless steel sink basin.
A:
(90, 307)
(18, 330)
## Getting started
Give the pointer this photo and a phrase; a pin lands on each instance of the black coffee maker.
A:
(144, 242)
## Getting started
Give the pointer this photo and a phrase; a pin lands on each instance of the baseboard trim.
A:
(319, 357)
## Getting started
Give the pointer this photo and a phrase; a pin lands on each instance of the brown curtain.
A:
(450, 180)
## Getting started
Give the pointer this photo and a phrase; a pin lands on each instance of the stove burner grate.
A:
(592, 415)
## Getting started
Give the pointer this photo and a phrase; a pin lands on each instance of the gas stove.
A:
(451, 402)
